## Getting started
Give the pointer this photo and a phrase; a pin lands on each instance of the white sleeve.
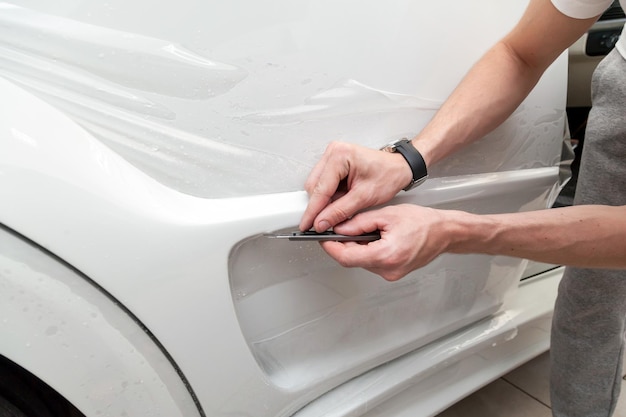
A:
(581, 9)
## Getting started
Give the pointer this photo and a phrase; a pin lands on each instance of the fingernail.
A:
(323, 225)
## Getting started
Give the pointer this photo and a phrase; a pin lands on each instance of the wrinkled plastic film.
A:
(214, 128)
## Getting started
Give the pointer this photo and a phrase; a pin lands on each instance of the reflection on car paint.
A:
(377, 383)
(78, 325)
(307, 320)
(349, 98)
(299, 80)
(77, 67)
(128, 59)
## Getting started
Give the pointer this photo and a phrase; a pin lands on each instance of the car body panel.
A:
(170, 247)
(78, 340)
(300, 341)
(160, 191)
(418, 384)
(215, 89)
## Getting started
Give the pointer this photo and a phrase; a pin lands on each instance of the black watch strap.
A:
(415, 160)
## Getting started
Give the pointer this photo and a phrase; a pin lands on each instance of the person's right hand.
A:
(349, 178)
(411, 237)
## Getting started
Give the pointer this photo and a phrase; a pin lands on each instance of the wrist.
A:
(413, 159)
(472, 233)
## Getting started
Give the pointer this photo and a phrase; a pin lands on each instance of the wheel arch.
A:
(67, 331)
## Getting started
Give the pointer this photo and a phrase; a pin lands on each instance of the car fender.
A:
(66, 330)
(148, 246)
(163, 254)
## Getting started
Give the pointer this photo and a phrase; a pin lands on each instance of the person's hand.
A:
(349, 178)
(411, 237)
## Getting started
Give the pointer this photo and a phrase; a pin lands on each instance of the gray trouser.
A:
(590, 313)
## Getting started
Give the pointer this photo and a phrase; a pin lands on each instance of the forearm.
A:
(584, 236)
(500, 80)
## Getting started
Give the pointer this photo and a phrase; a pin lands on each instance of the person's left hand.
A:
(411, 237)
(349, 178)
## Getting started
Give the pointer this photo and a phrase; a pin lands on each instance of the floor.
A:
(523, 392)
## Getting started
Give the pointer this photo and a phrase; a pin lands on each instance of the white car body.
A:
(145, 148)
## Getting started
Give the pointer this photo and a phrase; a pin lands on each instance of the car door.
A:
(174, 136)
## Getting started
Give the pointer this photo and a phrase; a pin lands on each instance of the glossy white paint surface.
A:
(115, 163)
(163, 254)
(194, 88)
(493, 349)
(54, 321)
(351, 320)
(419, 383)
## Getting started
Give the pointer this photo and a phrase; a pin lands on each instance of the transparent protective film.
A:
(307, 319)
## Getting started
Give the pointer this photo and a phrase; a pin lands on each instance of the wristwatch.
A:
(412, 156)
